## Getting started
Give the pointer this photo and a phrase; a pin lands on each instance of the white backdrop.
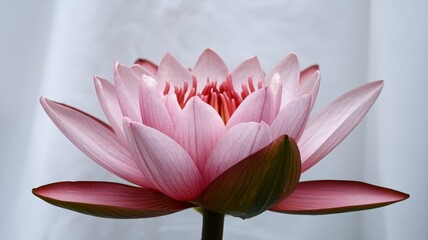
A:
(53, 48)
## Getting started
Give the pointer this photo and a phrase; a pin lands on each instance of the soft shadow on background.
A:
(53, 48)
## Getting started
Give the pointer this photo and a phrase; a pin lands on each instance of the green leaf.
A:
(256, 183)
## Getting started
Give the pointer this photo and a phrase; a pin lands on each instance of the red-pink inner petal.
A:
(222, 97)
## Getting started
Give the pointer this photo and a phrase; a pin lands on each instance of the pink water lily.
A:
(232, 143)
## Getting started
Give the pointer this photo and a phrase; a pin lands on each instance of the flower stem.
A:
(212, 225)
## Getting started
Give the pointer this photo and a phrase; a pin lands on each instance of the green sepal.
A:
(256, 183)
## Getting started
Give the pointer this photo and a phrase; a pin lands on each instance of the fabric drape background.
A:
(53, 48)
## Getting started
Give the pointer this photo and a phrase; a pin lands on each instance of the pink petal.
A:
(164, 162)
(174, 109)
(153, 110)
(292, 119)
(330, 126)
(236, 144)
(111, 200)
(139, 71)
(198, 130)
(306, 73)
(148, 65)
(289, 71)
(310, 85)
(127, 88)
(248, 68)
(95, 139)
(210, 66)
(257, 107)
(172, 71)
(275, 86)
(107, 97)
(328, 196)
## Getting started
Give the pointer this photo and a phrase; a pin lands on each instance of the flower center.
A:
(222, 97)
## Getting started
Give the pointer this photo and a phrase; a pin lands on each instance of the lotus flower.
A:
(231, 143)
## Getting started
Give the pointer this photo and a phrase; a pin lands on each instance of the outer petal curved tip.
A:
(109, 200)
(328, 196)
(42, 99)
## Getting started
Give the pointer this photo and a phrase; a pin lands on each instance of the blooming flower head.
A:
(231, 142)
